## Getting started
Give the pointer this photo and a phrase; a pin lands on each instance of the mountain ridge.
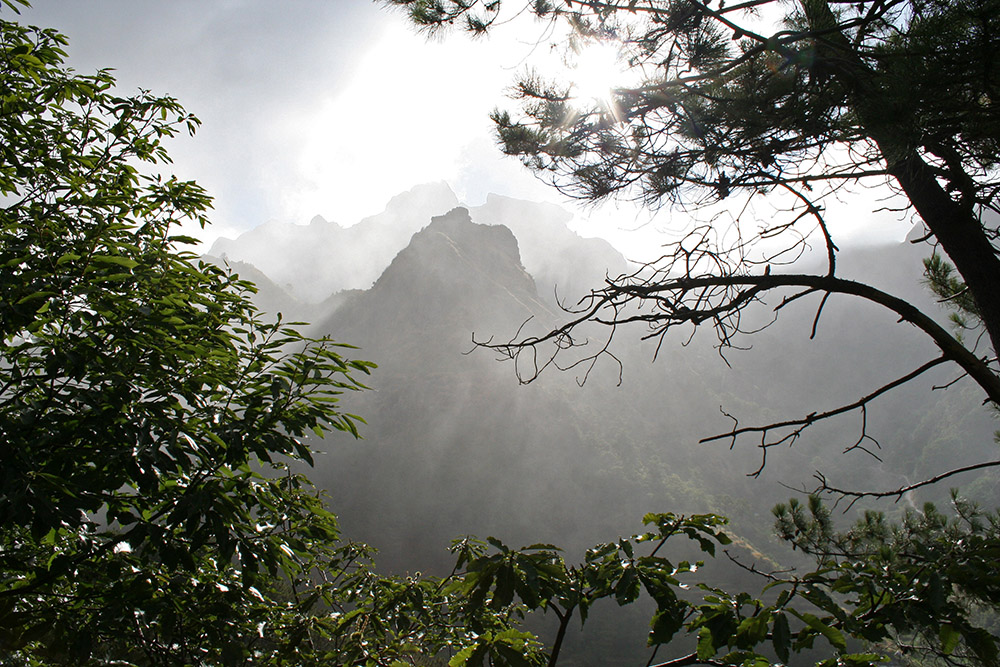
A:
(454, 444)
(330, 258)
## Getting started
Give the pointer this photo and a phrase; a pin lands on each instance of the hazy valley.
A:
(454, 445)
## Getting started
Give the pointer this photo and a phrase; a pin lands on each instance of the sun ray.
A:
(596, 70)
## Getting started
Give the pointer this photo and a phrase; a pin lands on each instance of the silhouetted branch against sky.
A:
(888, 95)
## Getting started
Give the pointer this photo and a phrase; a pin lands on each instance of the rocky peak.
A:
(454, 254)
(455, 277)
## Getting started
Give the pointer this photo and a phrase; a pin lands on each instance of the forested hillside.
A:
(454, 445)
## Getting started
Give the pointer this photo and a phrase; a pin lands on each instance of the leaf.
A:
(781, 636)
(859, 660)
(745, 659)
(664, 625)
(983, 644)
(600, 551)
(471, 655)
(503, 593)
(751, 631)
(511, 656)
(460, 658)
(706, 647)
(115, 259)
(949, 637)
(35, 296)
(115, 278)
(627, 589)
(832, 634)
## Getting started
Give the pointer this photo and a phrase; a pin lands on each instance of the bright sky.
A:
(326, 107)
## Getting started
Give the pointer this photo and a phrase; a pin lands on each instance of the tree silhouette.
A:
(757, 106)
(752, 117)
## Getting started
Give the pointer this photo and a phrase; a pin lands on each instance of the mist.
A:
(455, 445)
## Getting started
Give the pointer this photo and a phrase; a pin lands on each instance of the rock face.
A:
(564, 265)
(455, 280)
(453, 276)
(329, 258)
(453, 445)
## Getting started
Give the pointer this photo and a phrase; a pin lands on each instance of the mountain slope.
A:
(454, 445)
(329, 258)
(314, 261)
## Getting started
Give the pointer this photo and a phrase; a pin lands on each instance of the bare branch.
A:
(798, 426)
(690, 659)
(897, 493)
(752, 568)
(720, 299)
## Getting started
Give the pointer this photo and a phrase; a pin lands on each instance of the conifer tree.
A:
(739, 103)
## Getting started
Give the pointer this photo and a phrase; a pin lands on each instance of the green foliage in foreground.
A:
(929, 585)
(876, 596)
(146, 410)
(879, 589)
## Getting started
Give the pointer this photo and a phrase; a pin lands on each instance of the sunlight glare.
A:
(596, 70)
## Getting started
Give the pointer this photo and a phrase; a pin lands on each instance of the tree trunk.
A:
(955, 225)
(961, 236)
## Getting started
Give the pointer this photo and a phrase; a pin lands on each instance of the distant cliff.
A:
(312, 262)
(455, 445)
